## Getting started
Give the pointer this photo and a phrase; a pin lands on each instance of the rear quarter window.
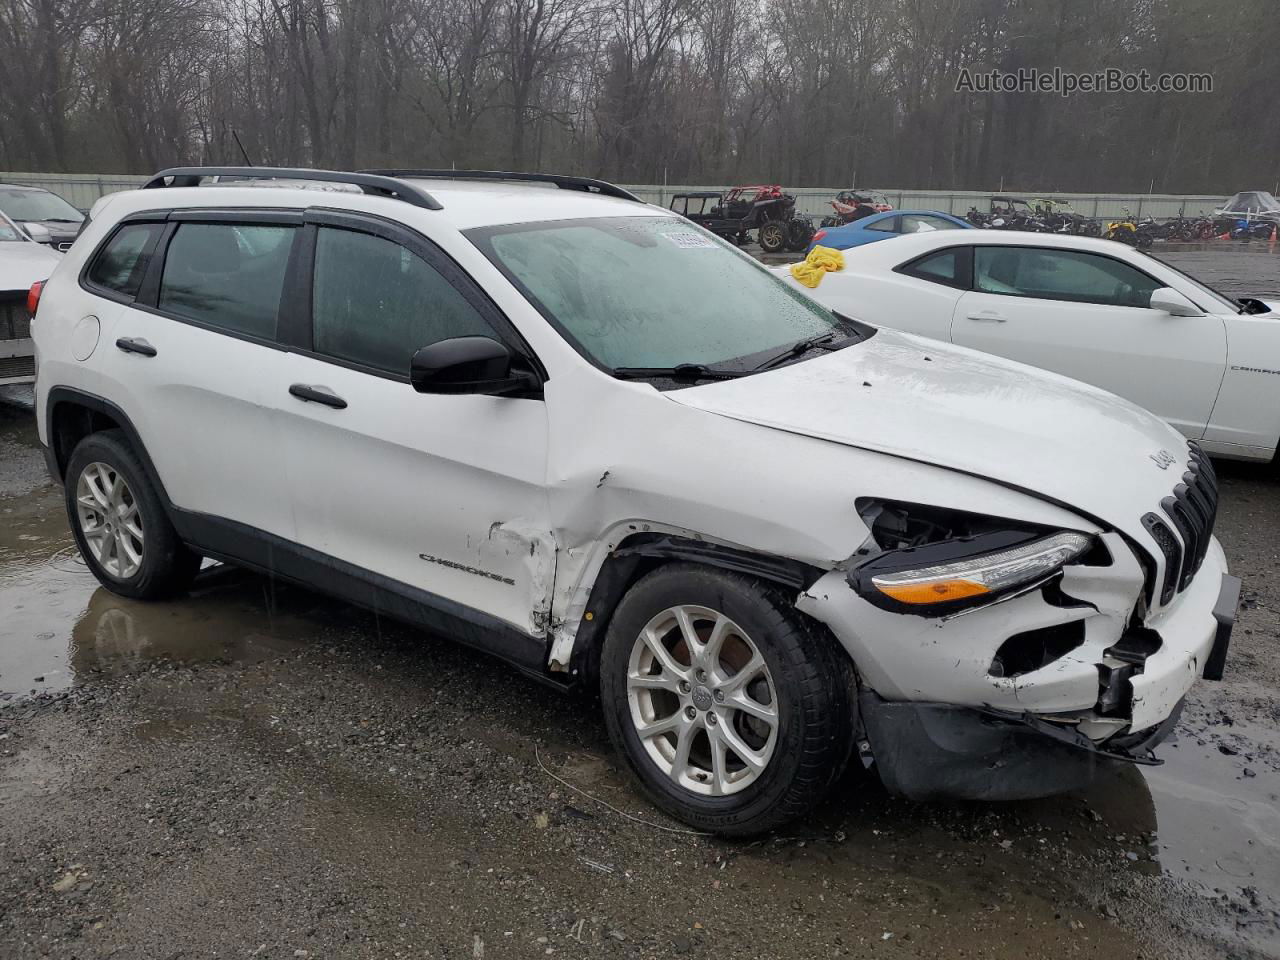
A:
(949, 267)
(121, 263)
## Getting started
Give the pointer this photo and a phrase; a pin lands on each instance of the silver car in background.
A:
(41, 214)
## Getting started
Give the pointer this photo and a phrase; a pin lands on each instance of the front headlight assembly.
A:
(944, 577)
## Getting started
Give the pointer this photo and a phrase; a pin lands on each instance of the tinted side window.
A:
(887, 224)
(940, 267)
(228, 276)
(121, 264)
(1061, 275)
(375, 303)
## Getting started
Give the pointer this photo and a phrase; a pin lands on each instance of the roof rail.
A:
(369, 183)
(585, 184)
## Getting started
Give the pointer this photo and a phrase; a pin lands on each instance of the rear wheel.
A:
(119, 523)
(733, 710)
(773, 236)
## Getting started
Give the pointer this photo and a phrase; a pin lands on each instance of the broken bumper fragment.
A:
(927, 751)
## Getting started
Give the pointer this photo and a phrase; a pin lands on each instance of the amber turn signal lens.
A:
(937, 591)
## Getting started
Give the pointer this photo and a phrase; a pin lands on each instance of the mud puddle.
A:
(60, 625)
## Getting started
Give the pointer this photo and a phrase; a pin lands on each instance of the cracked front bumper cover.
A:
(926, 751)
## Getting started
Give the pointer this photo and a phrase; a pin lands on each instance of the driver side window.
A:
(1061, 275)
(375, 303)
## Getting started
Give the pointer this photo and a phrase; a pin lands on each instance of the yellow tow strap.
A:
(821, 260)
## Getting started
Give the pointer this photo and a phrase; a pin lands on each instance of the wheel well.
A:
(643, 553)
(70, 423)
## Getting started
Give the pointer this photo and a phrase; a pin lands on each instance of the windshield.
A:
(37, 205)
(9, 232)
(1220, 300)
(653, 291)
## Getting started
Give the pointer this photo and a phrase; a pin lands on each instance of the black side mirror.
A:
(463, 365)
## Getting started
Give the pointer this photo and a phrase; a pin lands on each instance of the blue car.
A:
(882, 226)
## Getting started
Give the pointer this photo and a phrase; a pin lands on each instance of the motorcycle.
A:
(1126, 230)
(1252, 230)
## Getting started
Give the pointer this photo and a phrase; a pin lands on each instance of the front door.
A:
(1085, 315)
(441, 494)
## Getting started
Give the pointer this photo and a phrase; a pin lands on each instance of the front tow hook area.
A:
(928, 751)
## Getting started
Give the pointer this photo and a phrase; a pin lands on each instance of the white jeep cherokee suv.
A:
(579, 432)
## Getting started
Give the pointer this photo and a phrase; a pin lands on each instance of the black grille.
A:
(1193, 508)
(15, 322)
(1172, 551)
(17, 367)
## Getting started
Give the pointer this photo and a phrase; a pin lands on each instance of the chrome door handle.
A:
(136, 345)
(988, 318)
(318, 395)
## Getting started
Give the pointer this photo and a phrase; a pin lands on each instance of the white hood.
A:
(22, 263)
(898, 394)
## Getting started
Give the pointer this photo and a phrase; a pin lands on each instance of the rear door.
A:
(189, 310)
(1085, 315)
(441, 498)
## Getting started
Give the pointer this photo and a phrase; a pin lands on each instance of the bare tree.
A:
(795, 91)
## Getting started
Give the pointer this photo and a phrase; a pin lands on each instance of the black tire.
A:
(773, 236)
(167, 565)
(812, 678)
(799, 232)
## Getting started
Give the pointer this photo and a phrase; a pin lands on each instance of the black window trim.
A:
(293, 316)
(147, 297)
(973, 276)
(302, 287)
(964, 266)
(149, 293)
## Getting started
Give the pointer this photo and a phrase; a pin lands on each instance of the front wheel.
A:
(733, 711)
(119, 523)
(773, 236)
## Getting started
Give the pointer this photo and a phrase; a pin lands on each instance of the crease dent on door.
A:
(534, 548)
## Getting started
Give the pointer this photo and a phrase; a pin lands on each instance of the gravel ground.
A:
(257, 771)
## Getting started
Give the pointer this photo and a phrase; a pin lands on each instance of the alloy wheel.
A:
(109, 520)
(702, 700)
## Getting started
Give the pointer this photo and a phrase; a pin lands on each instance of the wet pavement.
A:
(259, 771)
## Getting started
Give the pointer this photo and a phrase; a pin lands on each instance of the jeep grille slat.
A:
(1193, 510)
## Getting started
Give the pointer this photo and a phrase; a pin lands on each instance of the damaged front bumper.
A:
(927, 751)
(942, 719)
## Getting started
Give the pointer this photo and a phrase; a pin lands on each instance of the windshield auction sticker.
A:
(690, 241)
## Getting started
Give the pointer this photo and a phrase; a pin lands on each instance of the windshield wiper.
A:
(60, 220)
(688, 372)
(796, 349)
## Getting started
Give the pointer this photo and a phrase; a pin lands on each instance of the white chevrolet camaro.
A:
(1090, 309)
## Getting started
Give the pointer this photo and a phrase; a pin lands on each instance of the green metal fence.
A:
(82, 189)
